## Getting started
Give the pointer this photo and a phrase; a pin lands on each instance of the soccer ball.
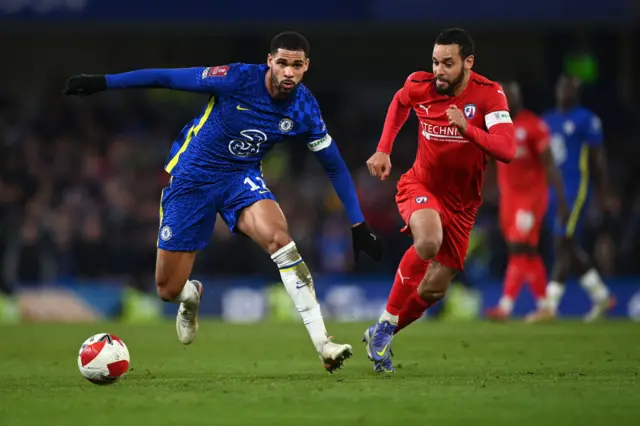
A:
(103, 359)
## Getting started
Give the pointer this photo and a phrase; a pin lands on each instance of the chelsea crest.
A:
(285, 125)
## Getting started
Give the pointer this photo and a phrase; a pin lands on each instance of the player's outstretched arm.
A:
(185, 79)
(397, 115)
(363, 239)
(379, 164)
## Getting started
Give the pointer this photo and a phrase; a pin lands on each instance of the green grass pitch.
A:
(472, 373)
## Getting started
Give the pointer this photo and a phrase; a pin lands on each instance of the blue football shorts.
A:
(188, 209)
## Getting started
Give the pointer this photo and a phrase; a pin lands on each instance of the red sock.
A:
(538, 278)
(413, 310)
(517, 270)
(411, 271)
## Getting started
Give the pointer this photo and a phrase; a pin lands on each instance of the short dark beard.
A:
(279, 93)
(449, 91)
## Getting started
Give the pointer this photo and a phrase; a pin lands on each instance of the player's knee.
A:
(427, 247)
(431, 296)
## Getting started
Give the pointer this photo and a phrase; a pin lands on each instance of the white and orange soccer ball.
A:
(103, 359)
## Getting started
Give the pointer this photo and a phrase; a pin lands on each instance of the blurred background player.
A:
(523, 186)
(463, 119)
(215, 167)
(576, 144)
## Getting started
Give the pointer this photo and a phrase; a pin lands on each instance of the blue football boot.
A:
(377, 339)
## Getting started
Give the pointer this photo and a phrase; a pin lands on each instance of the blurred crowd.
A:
(80, 183)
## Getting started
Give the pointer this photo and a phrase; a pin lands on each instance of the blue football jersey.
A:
(241, 122)
(572, 134)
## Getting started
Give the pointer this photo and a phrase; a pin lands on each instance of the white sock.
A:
(506, 304)
(299, 284)
(386, 316)
(593, 284)
(555, 291)
(189, 294)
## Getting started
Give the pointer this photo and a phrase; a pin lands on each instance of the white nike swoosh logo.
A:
(401, 277)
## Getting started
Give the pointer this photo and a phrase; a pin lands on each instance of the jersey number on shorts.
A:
(252, 185)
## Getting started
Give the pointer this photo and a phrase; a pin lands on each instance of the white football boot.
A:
(333, 355)
(187, 318)
(600, 309)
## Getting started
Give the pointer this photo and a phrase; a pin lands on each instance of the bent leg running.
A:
(421, 212)
(446, 264)
(187, 218)
(265, 224)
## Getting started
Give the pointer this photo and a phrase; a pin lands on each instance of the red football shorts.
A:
(521, 220)
(456, 225)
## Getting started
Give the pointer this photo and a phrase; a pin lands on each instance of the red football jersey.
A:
(525, 176)
(450, 166)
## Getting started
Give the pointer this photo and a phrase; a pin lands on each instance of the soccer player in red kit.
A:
(464, 118)
(524, 197)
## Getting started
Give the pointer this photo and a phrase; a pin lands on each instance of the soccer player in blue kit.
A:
(215, 167)
(576, 145)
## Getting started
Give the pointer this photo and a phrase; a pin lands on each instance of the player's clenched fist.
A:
(457, 118)
(379, 165)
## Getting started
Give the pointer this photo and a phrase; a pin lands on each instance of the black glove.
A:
(365, 240)
(84, 84)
